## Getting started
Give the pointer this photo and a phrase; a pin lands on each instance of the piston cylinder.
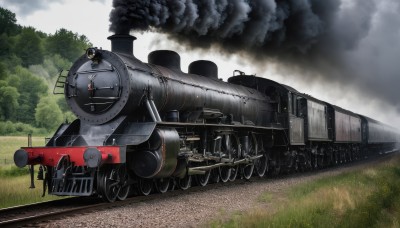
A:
(157, 158)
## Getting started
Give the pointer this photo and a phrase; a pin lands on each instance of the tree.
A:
(55, 63)
(62, 103)
(51, 67)
(8, 22)
(11, 61)
(29, 47)
(48, 115)
(68, 44)
(8, 101)
(7, 55)
(3, 73)
(31, 88)
(5, 46)
(69, 116)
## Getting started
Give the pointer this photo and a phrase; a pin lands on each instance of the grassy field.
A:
(15, 191)
(15, 182)
(368, 197)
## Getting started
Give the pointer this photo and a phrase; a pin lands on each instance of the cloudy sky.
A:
(356, 65)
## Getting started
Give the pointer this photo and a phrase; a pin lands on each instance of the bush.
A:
(48, 114)
(17, 129)
(7, 128)
(21, 127)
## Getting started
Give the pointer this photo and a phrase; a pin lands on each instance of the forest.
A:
(30, 62)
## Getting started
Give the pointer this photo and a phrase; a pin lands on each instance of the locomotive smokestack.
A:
(122, 43)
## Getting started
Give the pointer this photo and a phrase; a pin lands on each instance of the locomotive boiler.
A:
(144, 127)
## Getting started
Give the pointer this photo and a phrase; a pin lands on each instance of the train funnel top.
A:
(122, 43)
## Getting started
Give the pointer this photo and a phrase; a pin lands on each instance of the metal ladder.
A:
(60, 83)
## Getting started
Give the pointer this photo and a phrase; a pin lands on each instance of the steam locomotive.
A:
(147, 127)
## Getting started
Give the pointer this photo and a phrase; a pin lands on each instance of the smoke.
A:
(291, 25)
(353, 43)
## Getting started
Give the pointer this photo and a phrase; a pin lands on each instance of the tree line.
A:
(30, 62)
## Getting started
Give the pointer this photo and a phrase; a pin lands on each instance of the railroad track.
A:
(40, 214)
(26, 214)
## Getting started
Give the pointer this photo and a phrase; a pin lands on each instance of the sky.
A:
(358, 72)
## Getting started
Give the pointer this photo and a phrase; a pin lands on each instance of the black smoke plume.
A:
(277, 26)
(353, 42)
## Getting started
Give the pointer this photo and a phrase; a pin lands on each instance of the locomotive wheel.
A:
(145, 186)
(162, 185)
(234, 172)
(123, 193)
(125, 187)
(248, 171)
(261, 165)
(202, 180)
(100, 182)
(230, 147)
(214, 178)
(253, 151)
(111, 181)
(185, 183)
(224, 173)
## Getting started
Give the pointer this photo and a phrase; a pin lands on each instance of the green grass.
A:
(13, 171)
(15, 182)
(15, 191)
(265, 197)
(368, 197)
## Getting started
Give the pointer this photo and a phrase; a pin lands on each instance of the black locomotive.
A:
(149, 125)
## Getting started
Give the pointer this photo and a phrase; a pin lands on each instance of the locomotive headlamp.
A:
(92, 53)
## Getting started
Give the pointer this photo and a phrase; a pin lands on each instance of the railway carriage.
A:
(345, 134)
(377, 137)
